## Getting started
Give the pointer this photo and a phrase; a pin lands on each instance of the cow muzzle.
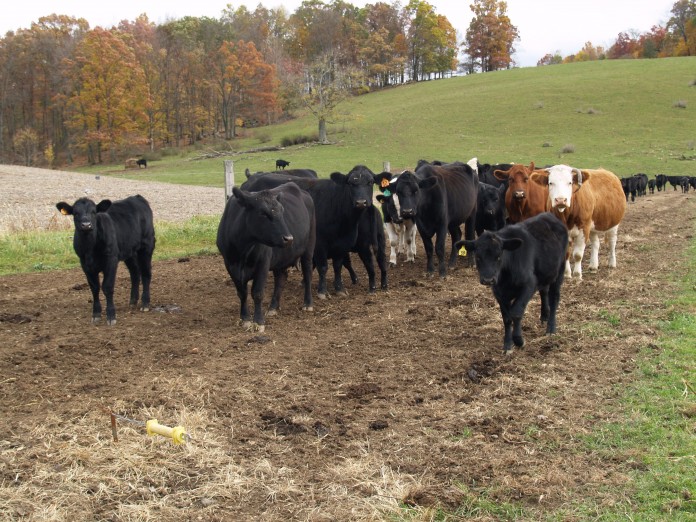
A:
(86, 226)
(361, 203)
(560, 204)
(488, 281)
(519, 194)
(287, 240)
(408, 213)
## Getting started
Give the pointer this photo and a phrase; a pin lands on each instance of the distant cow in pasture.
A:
(641, 184)
(269, 230)
(591, 203)
(629, 185)
(523, 198)
(281, 164)
(109, 232)
(651, 185)
(675, 181)
(490, 208)
(447, 197)
(142, 163)
(339, 203)
(517, 261)
(661, 182)
(684, 184)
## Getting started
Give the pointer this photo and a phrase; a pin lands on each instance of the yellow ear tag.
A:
(384, 183)
(462, 251)
(63, 211)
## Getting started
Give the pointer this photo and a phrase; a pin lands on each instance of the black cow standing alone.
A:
(281, 164)
(107, 233)
(519, 260)
(142, 163)
(264, 231)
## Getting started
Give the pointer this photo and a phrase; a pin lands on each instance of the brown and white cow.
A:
(523, 198)
(591, 203)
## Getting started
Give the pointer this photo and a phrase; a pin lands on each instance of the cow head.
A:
(406, 190)
(264, 216)
(489, 198)
(560, 180)
(84, 212)
(359, 180)
(488, 251)
(518, 180)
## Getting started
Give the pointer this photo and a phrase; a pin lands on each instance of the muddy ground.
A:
(368, 405)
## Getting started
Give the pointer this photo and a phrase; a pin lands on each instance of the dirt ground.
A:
(369, 405)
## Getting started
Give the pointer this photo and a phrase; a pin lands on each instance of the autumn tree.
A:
(491, 36)
(432, 41)
(246, 84)
(108, 97)
(551, 59)
(26, 143)
(683, 23)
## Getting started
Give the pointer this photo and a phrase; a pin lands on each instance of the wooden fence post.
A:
(229, 179)
(386, 167)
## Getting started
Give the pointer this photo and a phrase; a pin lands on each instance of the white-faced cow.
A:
(517, 261)
(264, 231)
(591, 203)
(401, 230)
(339, 203)
(446, 199)
(107, 233)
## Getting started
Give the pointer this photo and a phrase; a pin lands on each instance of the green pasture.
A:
(627, 116)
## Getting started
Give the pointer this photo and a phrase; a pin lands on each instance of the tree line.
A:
(70, 93)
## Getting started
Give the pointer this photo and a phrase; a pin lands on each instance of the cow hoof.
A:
(247, 325)
(260, 328)
(145, 308)
(322, 296)
(507, 351)
(111, 322)
(96, 320)
(342, 293)
(392, 265)
(307, 308)
(272, 312)
(519, 341)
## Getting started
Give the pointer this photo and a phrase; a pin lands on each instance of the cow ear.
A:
(247, 172)
(382, 180)
(241, 196)
(540, 178)
(427, 183)
(339, 178)
(469, 245)
(104, 205)
(64, 208)
(580, 176)
(512, 243)
(501, 175)
(381, 198)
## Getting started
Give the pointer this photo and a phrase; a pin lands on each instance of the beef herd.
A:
(524, 228)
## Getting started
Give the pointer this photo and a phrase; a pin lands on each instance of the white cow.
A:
(591, 203)
(401, 232)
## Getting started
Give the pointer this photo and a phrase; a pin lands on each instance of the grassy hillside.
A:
(625, 115)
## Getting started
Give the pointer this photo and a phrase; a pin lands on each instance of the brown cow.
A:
(591, 203)
(523, 198)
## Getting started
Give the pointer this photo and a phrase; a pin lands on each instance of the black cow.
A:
(107, 233)
(486, 170)
(281, 164)
(339, 204)
(447, 199)
(490, 208)
(519, 260)
(630, 187)
(651, 185)
(370, 243)
(268, 230)
(684, 184)
(692, 182)
(641, 184)
(661, 182)
(298, 173)
(675, 181)
(142, 163)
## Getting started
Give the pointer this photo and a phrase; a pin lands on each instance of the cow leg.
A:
(322, 264)
(280, 276)
(93, 282)
(456, 235)
(469, 234)
(612, 237)
(517, 309)
(428, 247)
(108, 284)
(410, 235)
(576, 255)
(554, 297)
(348, 264)
(306, 264)
(134, 271)
(257, 290)
(594, 250)
(338, 279)
(507, 325)
(440, 252)
(145, 264)
(544, 296)
(393, 242)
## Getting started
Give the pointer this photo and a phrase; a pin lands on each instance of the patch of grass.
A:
(609, 317)
(41, 250)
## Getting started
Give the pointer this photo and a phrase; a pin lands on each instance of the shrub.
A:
(568, 149)
(679, 104)
(288, 141)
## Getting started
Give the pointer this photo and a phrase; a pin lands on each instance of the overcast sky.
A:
(545, 26)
